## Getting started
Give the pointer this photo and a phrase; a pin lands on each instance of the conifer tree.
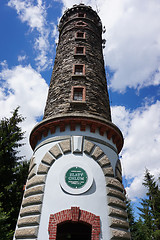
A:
(131, 220)
(150, 208)
(13, 173)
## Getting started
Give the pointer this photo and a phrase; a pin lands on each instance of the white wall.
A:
(55, 199)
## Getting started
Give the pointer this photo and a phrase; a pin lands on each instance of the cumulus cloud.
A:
(133, 40)
(35, 17)
(141, 129)
(24, 87)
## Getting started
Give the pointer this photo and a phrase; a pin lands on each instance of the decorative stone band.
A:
(94, 123)
(29, 219)
(74, 215)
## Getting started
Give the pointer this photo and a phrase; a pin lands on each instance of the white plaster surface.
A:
(111, 154)
(56, 199)
(94, 198)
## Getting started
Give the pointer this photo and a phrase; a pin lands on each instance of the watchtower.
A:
(74, 188)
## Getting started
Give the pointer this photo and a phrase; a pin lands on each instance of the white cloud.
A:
(54, 32)
(141, 129)
(24, 87)
(21, 58)
(35, 17)
(133, 40)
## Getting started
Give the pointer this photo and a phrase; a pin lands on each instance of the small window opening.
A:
(80, 35)
(78, 93)
(80, 50)
(79, 69)
(81, 15)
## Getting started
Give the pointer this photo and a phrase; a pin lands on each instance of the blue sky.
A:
(132, 60)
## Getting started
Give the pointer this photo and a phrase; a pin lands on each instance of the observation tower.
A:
(74, 188)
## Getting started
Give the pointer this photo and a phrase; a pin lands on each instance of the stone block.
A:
(36, 180)
(55, 151)
(113, 201)
(32, 163)
(113, 182)
(32, 172)
(65, 146)
(48, 159)
(118, 166)
(97, 152)
(88, 147)
(120, 234)
(31, 210)
(28, 221)
(118, 175)
(43, 169)
(115, 193)
(104, 161)
(33, 200)
(34, 191)
(118, 223)
(26, 233)
(115, 212)
(108, 171)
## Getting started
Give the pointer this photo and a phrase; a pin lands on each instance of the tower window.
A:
(82, 15)
(79, 69)
(78, 93)
(80, 35)
(79, 50)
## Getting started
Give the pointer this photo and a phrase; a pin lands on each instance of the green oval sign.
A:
(76, 177)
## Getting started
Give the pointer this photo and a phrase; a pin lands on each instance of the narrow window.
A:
(79, 50)
(80, 35)
(78, 93)
(82, 15)
(79, 69)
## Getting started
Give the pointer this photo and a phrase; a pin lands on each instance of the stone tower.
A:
(74, 188)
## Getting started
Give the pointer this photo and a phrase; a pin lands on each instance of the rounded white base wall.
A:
(56, 199)
(69, 172)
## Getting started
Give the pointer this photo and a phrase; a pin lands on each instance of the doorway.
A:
(73, 231)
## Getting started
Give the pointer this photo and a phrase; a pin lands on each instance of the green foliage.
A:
(147, 227)
(13, 173)
(131, 220)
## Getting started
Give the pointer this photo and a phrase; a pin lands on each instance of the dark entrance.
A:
(73, 231)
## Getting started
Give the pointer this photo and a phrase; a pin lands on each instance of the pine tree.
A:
(150, 208)
(131, 220)
(13, 173)
(153, 194)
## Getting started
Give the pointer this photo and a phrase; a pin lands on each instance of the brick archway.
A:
(74, 215)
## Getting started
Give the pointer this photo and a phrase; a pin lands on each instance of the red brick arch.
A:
(74, 215)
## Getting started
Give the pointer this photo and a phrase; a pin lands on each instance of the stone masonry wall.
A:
(59, 96)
